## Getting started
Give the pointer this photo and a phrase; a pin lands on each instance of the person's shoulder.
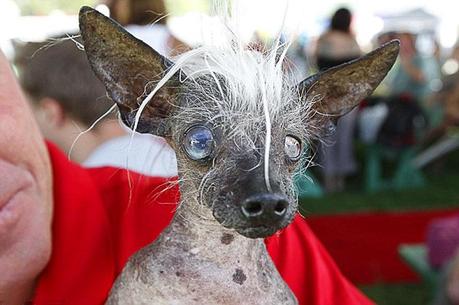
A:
(342, 36)
(337, 39)
(325, 37)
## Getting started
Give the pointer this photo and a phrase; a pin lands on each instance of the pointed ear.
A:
(338, 90)
(130, 69)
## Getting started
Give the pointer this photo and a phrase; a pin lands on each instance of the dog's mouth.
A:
(251, 230)
(258, 231)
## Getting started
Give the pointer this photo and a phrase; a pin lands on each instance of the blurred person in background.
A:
(67, 99)
(447, 97)
(409, 77)
(147, 20)
(336, 46)
(442, 109)
(443, 255)
(449, 290)
(384, 88)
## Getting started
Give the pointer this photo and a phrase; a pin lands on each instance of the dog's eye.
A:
(199, 142)
(292, 147)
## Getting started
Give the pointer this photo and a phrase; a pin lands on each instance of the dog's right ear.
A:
(130, 69)
(343, 87)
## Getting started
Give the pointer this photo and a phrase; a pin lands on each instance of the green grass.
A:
(400, 294)
(440, 191)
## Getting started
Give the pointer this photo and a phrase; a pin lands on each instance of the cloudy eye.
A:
(292, 148)
(199, 142)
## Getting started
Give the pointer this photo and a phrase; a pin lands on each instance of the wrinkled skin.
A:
(235, 172)
(25, 194)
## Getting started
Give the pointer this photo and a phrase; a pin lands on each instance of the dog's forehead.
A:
(239, 95)
(242, 79)
(240, 117)
(236, 100)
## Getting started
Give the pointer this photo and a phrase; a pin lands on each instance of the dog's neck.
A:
(197, 231)
(196, 260)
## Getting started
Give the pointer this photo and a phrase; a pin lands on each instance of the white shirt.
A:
(145, 154)
(155, 35)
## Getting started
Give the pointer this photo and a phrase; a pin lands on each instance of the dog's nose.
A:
(265, 207)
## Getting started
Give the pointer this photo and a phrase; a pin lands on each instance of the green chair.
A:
(415, 256)
(405, 175)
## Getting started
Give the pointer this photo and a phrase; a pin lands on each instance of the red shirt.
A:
(100, 219)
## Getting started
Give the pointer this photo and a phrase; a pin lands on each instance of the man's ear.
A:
(338, 90)
(130, 70)
(52, 111)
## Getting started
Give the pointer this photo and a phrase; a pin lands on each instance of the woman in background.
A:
(334, 47)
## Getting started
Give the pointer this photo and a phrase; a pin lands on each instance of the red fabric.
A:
(371, 254)
(101, 219)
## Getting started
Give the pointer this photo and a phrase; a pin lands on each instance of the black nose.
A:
(265, 207)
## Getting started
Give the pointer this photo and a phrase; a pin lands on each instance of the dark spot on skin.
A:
(179, 274)
(239, 277)
(160, 271)
(227, 238)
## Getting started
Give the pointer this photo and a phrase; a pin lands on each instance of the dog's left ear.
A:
(130, 70)
(338, 90)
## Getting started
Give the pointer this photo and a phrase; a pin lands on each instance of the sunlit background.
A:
(304, 19)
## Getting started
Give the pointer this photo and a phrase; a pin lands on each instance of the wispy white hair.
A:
(253, 89)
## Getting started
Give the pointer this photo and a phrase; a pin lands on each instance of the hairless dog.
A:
(239, 125)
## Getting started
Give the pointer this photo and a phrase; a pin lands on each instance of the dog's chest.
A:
(165, 275)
